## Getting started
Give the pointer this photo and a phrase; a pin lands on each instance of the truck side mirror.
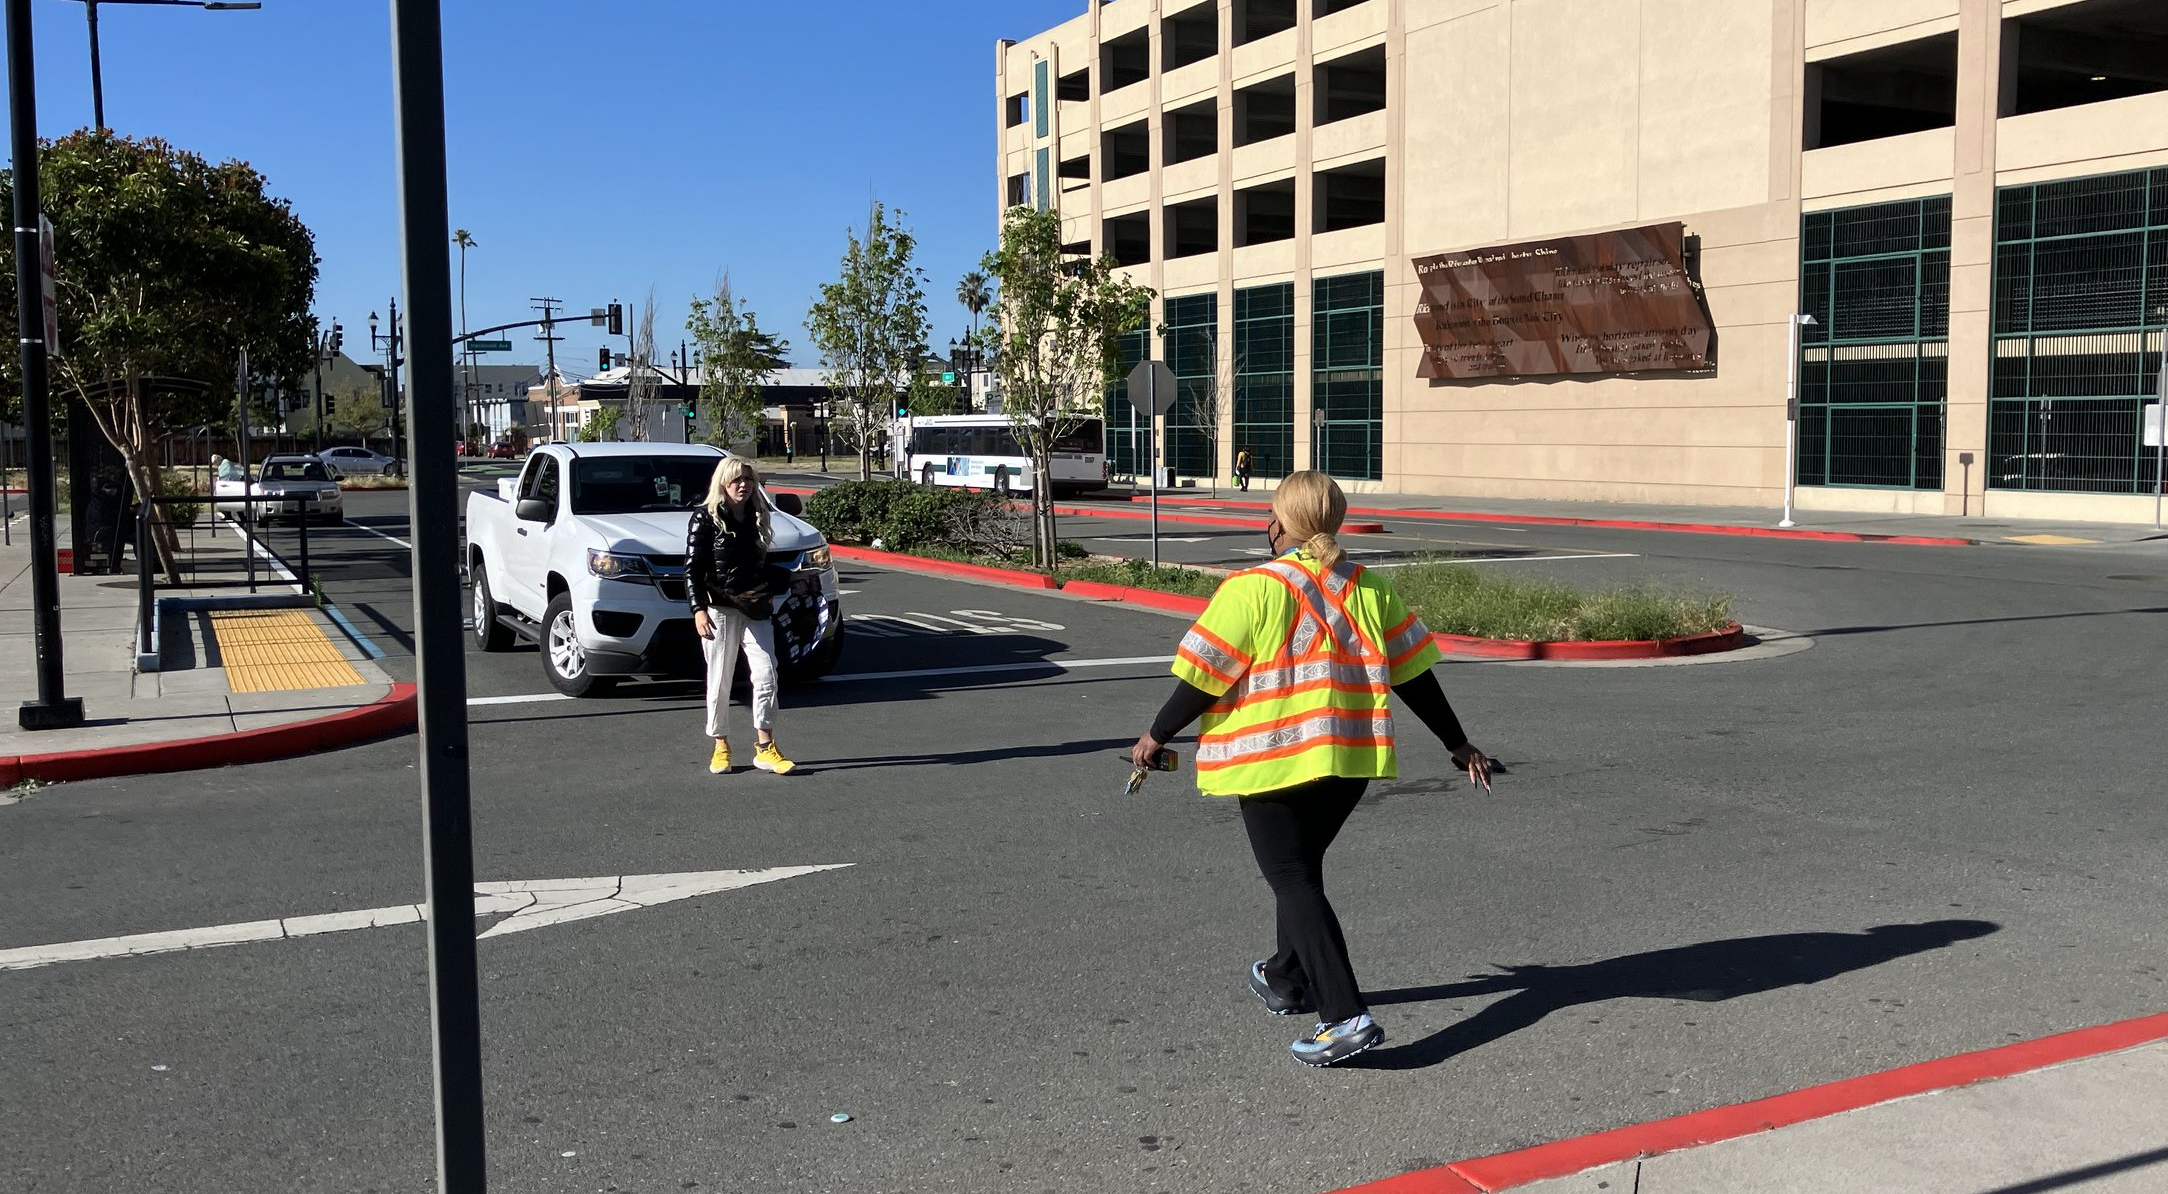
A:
(533, 510)
(789, 504)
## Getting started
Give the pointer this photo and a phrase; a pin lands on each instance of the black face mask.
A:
(1272, 539)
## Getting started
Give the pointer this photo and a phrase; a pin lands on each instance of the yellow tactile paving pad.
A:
(273, 650)
(2049, 540)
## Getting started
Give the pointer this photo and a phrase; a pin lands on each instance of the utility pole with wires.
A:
(549, 338)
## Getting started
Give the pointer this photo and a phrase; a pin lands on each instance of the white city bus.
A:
(982, 452)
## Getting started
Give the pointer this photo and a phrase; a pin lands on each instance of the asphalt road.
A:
(1026, 981)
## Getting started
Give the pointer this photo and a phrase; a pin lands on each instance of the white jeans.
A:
(733, 629)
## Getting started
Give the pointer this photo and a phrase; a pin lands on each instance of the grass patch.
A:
(1139, 574)
(1463, 599)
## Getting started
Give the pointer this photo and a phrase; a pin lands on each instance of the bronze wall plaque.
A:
(1614, 302)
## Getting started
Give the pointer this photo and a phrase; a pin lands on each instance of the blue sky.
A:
(597, 146)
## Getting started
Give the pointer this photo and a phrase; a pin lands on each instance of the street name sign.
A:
(490, 345)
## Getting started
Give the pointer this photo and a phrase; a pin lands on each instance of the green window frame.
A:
(1192, 346)
(1264, 366)
(2080, 311)
(1040, 71)
(1874, 366)
(1347, 378)
(1128, 443)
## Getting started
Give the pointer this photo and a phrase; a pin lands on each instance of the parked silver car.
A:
(361, 462)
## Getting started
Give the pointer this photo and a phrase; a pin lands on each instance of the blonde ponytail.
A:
(1325, 549)
(1311, 507)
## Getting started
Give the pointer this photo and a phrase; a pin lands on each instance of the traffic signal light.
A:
(617, 319)
(331, 405)
(338, 337)
(604, 367)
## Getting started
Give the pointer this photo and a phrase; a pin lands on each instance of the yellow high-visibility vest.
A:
(1304, 661)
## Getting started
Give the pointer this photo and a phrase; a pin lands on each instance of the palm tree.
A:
(465, 240)
(971, 291)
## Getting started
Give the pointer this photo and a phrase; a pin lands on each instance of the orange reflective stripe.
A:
(1298, 718)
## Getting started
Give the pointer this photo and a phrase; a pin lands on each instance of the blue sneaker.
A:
(1276, 1003)
(1335, 1043)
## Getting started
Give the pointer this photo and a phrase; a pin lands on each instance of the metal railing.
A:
(149, 581)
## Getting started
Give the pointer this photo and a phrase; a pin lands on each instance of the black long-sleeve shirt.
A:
(1422, 695)
(722, 559)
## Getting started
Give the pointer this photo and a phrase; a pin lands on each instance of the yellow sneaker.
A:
(719, 764)
(768, 757)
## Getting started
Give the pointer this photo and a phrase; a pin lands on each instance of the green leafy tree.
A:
(736, 358)
(1056, 335)
(168, 267)
(929, 395)
(600, 424)
(870, 329)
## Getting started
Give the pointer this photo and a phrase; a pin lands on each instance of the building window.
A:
(1351, 86)
(1264, 369)
(1043, 173)
(1874, 368)
(1192, 347)
(1347, 385)
(1017, 110)
(1129, 447)
(1189, 37)
(1125, 60)
(1128, 238)
(1192, 132)
(1265, 213)
(1192, 228)
(1019, 192)
(1039, 106)
(1265, 110)
(2083, 54)
(1256, 20)
(2081, 293)
(1349, 197)
(1906, 88)
(1126, 151)
(1074, 88)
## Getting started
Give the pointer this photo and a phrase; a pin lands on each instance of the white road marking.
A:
(991, 668)
(525, 903)
(1601, 555)
(379, 534)
(525, 698)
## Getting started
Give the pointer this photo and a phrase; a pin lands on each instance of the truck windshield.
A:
(637, 484)
(294, 470)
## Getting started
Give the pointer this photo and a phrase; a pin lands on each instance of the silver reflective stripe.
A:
(1407, 640)
(1324, 725)
(1271, 680)
(1305, 634)
(1306, 585)
(1205, 649)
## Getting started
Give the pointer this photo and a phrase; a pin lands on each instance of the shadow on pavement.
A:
(1114, 748)
(2073, 1177)
(1710, 972)
(2092, 613)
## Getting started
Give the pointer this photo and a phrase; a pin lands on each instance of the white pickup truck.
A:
(584, 554)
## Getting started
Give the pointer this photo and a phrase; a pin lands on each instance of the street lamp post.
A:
(1791, 417)
(53, 709)
(327, 349)
(90, 14)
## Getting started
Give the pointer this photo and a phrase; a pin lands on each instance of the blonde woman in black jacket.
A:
(726, 559)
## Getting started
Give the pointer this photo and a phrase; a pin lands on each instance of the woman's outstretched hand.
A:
(1475, 763)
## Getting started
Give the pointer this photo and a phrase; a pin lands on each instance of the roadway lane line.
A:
(379, 534)
(1605, 555)
(1063, 665)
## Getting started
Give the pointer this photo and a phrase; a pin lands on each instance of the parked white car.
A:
(311, 492)
(584, 554)
(361, 462)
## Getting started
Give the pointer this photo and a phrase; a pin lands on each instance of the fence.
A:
(198, 568)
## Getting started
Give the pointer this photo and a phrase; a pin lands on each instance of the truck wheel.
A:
(925, 476)
(1001, 481)
(564, 660)
(489, 633)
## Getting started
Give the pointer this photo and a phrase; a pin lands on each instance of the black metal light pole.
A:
(97, 74)
(389, 343)
(440, 655)
(53, 709)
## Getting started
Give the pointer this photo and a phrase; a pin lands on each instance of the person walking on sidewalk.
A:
(1242, 469)
(1290, 667)
(726, 559)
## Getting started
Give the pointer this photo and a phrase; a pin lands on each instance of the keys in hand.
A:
(1136, 781)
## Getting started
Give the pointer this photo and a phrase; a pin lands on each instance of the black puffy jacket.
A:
(726, 565)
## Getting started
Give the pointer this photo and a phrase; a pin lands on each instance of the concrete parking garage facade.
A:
(1970, 196)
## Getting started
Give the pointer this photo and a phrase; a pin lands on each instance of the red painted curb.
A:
(1561, 1158)
(911, 563)
(1625, 524)
(393, 714)
(1729, 639)
(1134, 596)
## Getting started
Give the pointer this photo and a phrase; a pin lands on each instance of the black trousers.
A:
(1289, 831)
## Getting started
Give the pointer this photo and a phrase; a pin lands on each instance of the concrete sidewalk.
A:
(234, 685)
(2075, 1111)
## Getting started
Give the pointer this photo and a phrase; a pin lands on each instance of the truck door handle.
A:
(522, 530)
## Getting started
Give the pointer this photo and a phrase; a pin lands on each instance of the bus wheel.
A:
(1001, 480)
(925, 476)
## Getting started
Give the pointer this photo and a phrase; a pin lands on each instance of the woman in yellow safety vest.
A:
(1291, 667)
